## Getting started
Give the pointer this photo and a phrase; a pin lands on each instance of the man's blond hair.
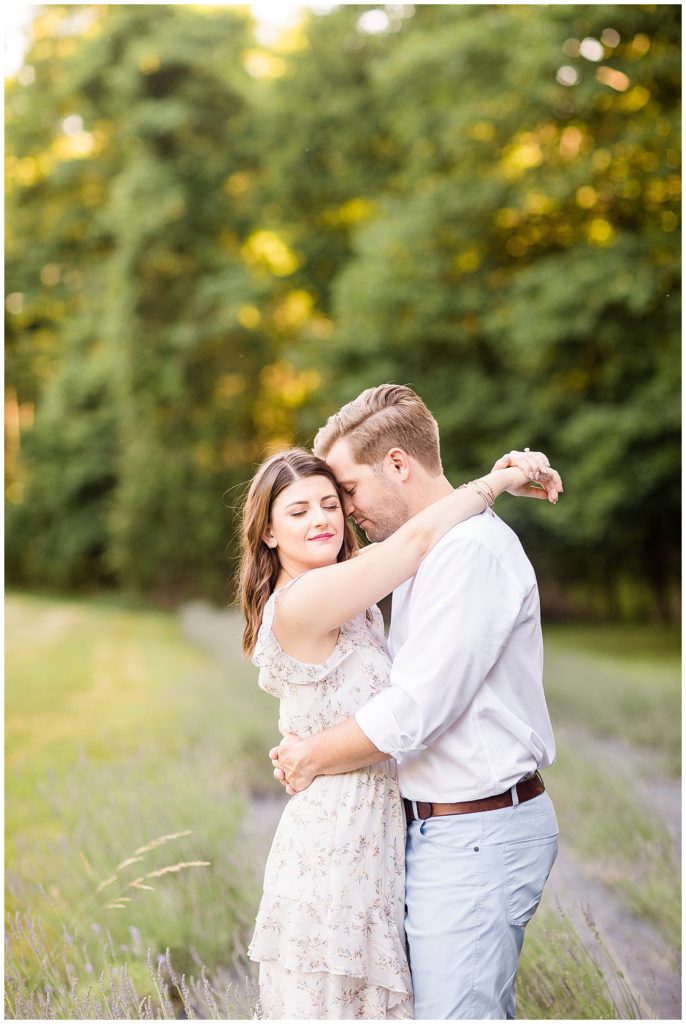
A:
(381, 418)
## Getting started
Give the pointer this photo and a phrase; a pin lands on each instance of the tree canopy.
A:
(212, 242)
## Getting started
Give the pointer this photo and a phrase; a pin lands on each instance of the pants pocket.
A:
(527, 866)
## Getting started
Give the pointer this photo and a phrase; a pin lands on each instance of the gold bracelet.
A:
(481, 494)
(489, 491)
(481, 489)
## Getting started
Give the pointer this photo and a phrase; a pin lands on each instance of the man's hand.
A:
(542, 482)
(289, 763)
(340, 748)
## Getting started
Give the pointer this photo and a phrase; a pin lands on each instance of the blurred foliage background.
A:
(217, 232)
(216, 236)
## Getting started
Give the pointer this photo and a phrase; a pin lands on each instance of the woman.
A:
(329, 934)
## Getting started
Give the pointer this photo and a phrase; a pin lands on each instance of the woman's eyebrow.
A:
(303, 501)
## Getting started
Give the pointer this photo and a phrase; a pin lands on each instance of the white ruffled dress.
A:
(329, 934)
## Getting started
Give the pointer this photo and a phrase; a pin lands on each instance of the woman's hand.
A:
(289, 764)
(538, 479)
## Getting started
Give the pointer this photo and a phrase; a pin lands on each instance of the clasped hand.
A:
(288, 762)
(542, 481)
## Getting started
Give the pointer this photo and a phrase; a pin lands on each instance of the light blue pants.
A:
(473, 882)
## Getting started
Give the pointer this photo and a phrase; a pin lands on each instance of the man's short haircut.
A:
(381, 418)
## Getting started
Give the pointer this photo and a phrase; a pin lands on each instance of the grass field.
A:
(129, 756)
(618, 681)
(118, 732)
(618, 684)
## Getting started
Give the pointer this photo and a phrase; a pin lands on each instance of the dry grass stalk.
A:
(161, 840)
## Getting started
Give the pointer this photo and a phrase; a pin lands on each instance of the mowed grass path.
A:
(107, 682)
(119, 732)
(615, 700)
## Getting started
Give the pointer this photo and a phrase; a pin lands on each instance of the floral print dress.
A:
(329, 934)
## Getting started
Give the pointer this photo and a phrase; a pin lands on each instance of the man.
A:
(465, 715)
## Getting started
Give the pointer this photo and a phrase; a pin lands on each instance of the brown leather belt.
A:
(526, 790)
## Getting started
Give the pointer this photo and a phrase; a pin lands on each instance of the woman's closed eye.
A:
(328, 508)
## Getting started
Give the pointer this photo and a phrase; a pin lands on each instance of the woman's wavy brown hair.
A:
(259, 564)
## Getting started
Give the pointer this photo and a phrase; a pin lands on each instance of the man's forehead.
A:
(346, 470)
(344, 474)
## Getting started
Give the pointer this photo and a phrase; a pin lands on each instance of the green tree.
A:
(212, 242)
(523, 270)
(137, 134)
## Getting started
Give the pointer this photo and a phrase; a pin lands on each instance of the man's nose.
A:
(349, 506)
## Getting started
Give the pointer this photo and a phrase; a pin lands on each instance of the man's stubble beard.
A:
(389, 519)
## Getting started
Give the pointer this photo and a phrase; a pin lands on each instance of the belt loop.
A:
(415, 810)
(515, 795)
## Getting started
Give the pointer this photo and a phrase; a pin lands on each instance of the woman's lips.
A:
(322, 536)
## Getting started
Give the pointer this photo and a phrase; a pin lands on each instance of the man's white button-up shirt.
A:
(465, 714)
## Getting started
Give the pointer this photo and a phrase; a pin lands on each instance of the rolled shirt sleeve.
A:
(465, 602)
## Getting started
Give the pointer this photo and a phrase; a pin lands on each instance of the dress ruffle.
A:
(277, 665)
(312, 939)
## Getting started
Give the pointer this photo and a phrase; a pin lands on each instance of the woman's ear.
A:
(269, 539)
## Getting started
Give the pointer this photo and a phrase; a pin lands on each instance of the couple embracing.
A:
(419, 835)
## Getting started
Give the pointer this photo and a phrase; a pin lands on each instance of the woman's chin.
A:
(326, 556)
(325, 559)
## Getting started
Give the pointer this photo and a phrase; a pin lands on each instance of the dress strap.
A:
(290, 583)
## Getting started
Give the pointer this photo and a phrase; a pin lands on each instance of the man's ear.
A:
(398, 464)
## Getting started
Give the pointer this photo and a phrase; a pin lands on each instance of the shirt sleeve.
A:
(464, 605)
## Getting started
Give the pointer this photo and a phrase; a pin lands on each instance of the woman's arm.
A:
(324, 598)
